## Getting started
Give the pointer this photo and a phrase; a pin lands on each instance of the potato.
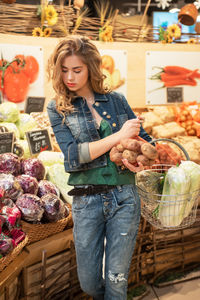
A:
(143, 160)
(120, 148)
(149, 151)
(116, 156)
(131, 144)
(130, 156)
(192, 131)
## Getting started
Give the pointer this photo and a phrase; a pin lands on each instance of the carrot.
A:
(176, 70)
(169, 77)
(189, 81)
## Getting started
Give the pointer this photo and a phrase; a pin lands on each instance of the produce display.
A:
(23, 182)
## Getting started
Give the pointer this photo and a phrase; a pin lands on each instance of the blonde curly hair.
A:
(89, 54)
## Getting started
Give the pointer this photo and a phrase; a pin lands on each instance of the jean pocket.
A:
(126, 196)
(80, 202)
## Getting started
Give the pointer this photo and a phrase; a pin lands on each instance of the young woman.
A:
(88, 121)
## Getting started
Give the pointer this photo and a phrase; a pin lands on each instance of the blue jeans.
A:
(113, 216)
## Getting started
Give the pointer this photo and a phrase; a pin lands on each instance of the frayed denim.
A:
(113, 217)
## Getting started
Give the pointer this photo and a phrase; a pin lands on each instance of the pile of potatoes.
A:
(134, 151)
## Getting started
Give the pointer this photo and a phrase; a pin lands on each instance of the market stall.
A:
(37, 250)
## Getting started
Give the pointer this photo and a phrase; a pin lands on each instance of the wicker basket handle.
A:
(174, 142)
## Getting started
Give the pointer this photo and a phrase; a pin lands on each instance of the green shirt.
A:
(104, 175)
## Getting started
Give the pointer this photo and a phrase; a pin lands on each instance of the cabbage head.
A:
(57, 174)
(25, 123)
(50, 158)
(11, 128)
(9, 112)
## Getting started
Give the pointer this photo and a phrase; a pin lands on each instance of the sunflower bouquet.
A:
(49, 17)
(171, 33)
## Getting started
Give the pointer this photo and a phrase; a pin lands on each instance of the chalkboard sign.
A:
(6, 142)
(34, 104)
(174, 94)
(39, 140)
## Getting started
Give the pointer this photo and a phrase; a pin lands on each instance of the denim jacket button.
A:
(97, 103)
(108, 116)
(104, 113)
(114, 124)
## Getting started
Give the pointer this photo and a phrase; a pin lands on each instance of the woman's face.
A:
(75, 74)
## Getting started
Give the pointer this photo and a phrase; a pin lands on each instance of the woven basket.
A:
(6, 260)
(38, 232)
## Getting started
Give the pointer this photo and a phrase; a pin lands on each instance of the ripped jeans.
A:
(113, 216)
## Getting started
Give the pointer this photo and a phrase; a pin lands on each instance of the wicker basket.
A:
(38, 232)
(6, 260)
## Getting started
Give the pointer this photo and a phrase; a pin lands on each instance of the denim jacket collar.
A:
(98, 97)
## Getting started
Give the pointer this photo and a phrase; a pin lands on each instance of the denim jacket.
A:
(80, 127)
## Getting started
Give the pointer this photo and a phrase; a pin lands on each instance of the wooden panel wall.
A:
(136, 60)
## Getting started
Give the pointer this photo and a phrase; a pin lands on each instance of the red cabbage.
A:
(28, 183)
(33, 167)
(9, 163)
(46, 187)
(31, 207)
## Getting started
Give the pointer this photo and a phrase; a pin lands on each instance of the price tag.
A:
(174, 94)
(6, 142)
(38, 141)
(34, 104)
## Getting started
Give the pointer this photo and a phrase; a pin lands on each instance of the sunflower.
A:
(51, 15)
(37, 31)
(105, 35)
(169, 39)
(174, 31)
(192, 41)
(47, 32)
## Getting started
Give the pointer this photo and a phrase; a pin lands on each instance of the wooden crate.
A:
(53, 277)
(11, 291)
(10, 278)
(158, 251)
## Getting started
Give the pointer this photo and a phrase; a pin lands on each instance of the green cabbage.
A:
(25, 147)
(50, 158)
(25, 123)
(9, 112)
(11, 128)
(174, 197)
(57, 175)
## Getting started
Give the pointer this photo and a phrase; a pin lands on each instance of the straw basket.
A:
(6, 260)
(167, 212)
(37, 232)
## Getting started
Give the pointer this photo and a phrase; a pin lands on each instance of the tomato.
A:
(29, 66)
(17, 66)
(16, 86)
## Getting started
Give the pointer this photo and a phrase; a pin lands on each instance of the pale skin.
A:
(75, 77)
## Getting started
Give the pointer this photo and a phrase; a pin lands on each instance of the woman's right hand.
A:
(130, 128)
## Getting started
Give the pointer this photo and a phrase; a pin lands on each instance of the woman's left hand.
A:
(131, 167)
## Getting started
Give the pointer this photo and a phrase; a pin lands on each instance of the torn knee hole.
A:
(116, 277)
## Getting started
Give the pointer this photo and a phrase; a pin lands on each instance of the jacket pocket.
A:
(72, 121)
